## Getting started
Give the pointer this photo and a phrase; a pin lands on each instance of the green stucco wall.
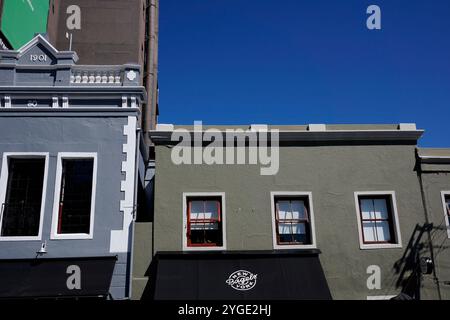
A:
(332, 173)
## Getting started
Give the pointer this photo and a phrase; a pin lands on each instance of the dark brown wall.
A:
(112, 31)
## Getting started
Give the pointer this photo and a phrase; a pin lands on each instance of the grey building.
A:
(69, 158)
(353, 212)
(112, 32)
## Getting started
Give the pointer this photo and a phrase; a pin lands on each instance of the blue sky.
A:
(305, 61)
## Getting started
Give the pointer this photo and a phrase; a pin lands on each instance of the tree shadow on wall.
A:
(408, 267)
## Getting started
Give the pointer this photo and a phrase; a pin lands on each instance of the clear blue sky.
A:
(306, 61)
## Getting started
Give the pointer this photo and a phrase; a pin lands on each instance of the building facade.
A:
(113, 32)
(359, 210)
(69, 154)
(99, 202)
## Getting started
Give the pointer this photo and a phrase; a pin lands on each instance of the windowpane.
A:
(367, 209)
(377, 221)
(22, 207)
(381, 210)
(287, 228)
(369, 232)
(294, 239)
(204, 210)
(204, 226)
(284, 209)
(377, 231)
(292, 222)
(298, 210)
(383, 233)
(196, 210)
(211, 210)
(76, 196)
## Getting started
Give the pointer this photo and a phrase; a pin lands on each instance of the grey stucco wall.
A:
(433, 184)
(103, 135)
(332, 174)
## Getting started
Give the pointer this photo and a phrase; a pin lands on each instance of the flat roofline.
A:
(434, 155)
(316, 132)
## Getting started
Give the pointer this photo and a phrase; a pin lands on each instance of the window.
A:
(378, 222)
(204, 221)
(22, 189)
(75, 197)
(376, 219)
(22, 206)
(293, 221)
(446, 203)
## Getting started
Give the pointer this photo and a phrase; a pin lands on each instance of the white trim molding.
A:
(445, 194)
(120, 238)
(186, 195)
(74, 236)
(34, 41)
(396, 222)
(4, 182)
(8, 102)
(308, 195)
(387, 297)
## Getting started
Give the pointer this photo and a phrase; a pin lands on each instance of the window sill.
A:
(294, 246)
(39, 238)
(222, 248)
(72, 237)
(380, 246)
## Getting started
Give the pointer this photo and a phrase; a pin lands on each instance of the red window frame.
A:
(390, 219)
(190, 221)
(305, 221)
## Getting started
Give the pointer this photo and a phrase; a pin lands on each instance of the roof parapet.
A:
(259, 127)
(164, 127)
(407, 127)
(317, 127)
(312, 132)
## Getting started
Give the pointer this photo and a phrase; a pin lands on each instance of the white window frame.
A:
(396, 226)
(444, 206)
(277, 246)
(73, 236)
(4, 184)
(187, 195)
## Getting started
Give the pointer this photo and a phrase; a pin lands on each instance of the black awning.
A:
(240, 276)
(70, 277)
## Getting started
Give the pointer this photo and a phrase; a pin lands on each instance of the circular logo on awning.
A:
(242, 280)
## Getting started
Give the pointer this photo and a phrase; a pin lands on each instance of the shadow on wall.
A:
(412, 266)
(149, 291)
